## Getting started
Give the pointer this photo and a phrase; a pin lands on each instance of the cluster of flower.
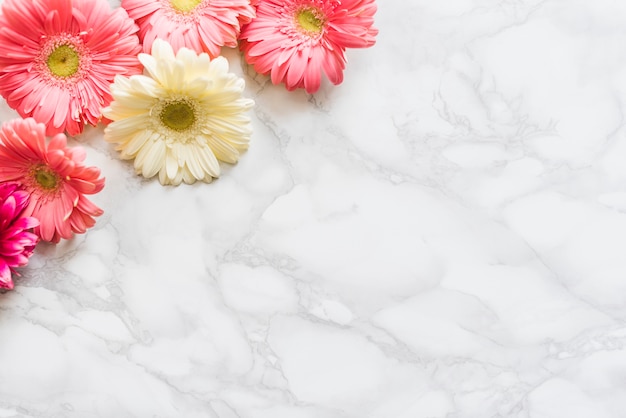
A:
(151, 70)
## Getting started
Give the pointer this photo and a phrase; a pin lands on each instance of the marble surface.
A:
(442, 235)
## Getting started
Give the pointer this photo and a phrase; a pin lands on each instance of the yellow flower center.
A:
(63, 61)
(185, 6)
(178, 115)
(46, 178)
(309, 20)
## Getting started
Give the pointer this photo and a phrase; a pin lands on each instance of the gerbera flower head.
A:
(16, 241)
(180, 118)
(54, 176)
(296, 40)
(59, 57)
(200, 25)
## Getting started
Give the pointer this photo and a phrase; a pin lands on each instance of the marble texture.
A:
(442, 235)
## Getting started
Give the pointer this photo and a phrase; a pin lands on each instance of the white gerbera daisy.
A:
(186, 113)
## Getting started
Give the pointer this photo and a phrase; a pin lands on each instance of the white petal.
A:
(137, 142)
(162, 50)
(208, 162)
(171, 163)
(151, 158)
(222, 149)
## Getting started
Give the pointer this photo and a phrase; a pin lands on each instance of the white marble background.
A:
(442, 235)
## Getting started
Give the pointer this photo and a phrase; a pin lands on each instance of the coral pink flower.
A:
(200, 25)
(60, 56)
(53, 174)
(16, 242)
(295, 40)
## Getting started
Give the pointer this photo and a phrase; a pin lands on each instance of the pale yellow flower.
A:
(181, 117)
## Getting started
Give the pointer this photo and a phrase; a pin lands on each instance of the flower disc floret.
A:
(63, 61)
(178, 115)
(185, 6)
(45, 178)
(309, 20)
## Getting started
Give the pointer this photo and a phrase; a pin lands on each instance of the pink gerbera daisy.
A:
(16, 242)
(200, 25)
(295, 40)
(54, 176)
(60, 56)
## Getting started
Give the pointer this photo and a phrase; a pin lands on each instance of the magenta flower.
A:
(200, 25)
(296, 40)
(60, 56)
(54, 176)
(16, 241)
